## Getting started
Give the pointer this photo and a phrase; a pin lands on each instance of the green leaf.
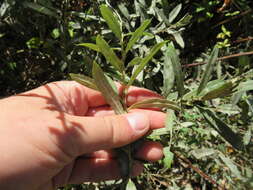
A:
(144, 61)
(203, 152)
(131, 185)
(111, 20)
(134, 61)
(247, 137)
(84, 80)
(90, 45)
(41, 9)
(174, 13)
(168, 158)
(222, 128)
(106, 89)
(216, 89)
(168, 75)
(109, 54)
(174, 59)
(156, 103)
(137, 34)
(212, 59)
(233, 168)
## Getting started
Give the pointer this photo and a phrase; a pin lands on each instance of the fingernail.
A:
(138, 121)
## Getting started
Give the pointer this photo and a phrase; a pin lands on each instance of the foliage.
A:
(208, 144)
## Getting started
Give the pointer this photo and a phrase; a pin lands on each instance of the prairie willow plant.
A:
(106, 86)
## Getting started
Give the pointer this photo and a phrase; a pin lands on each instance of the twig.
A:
(200, 172)
(242, 40)
(233, 18)
(220, 58)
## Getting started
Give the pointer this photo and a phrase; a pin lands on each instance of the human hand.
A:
(63, 133)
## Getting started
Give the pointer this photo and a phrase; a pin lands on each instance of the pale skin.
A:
(63, 133)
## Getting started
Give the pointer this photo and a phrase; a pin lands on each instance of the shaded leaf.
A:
(109, 54)
(209, 68)
(222, 128)
(106, 89)
(111, 20)
(134, 61)
(90, 45)
(41, 9)
(137, 34)
(172, 55)
(156, 103)
(84, 80)
(144, 61)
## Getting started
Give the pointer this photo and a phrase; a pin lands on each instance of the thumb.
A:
(100, 133)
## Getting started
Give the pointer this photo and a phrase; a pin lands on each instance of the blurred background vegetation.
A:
(38, 44)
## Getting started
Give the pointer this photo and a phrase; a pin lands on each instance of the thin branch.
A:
(233, 18)
(220, 59)
(200, 172)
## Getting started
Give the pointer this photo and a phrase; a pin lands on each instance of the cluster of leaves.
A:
(148, 43)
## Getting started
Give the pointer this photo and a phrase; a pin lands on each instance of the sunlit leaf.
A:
(179, 39)
(137, 34)
(203, 152)
(229, 163)
(111, 20)
(109, 54)
(106, 89)
(174, 13)
(247, 137)
(168, 75)
(90, 45)
(168, 158)
(84, 80)
(209, 68)
(172, 55)
(131, 185)
(216, 89)
(144, 61)
(156, 103)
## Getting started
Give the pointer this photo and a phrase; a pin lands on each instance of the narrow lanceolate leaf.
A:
(109, 54)
(168, 158)
(137, 34)
(222, 128)
(233, 168)
(156, 103)
(145, 60)
(172, 55)
(168, 75)
(131, 185)
(134, 61)
(209, 68)
(216, 89)
(84, 80)
(173, 14)
(106, 89)
(90, 45)
(111, 20)
(41, 9)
